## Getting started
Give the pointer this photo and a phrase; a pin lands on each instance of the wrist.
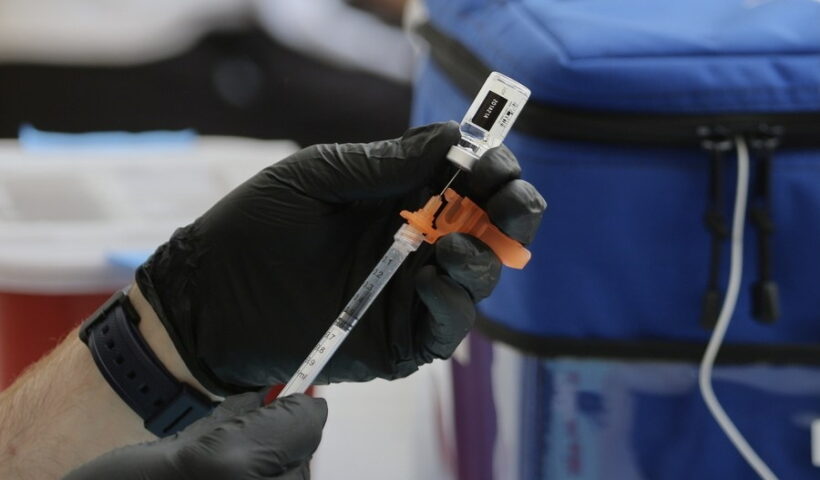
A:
(62, 405)
(134, 370)
(160, 342)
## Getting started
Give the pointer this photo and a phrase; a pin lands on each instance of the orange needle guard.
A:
(450, 212)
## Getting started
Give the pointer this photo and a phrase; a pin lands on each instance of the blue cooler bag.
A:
(632, 134)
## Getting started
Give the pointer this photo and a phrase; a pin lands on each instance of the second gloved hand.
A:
(240, 440)
(248, 288)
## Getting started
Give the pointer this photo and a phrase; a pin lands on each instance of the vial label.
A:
(489, 119)
(508, 115)
(489, 110)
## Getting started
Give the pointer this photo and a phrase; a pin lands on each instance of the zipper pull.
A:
(717, 142)
(765, 293)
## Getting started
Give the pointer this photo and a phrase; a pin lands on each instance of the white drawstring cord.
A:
(726, 312)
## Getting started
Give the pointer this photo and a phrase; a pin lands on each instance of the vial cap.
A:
(462, 158)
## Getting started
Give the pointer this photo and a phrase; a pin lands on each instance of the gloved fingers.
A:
(241, 403)
(469, 262)
(232, 406)
(517, 209)
(290, 428)
(495, 168)
(264, 443)
(132, 462)
(299, 472)
(452, 314)
(341, 173)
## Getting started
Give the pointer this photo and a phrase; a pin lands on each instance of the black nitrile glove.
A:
(239, 441)
(248, 289)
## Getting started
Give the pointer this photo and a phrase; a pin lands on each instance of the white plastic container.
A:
(65, 212)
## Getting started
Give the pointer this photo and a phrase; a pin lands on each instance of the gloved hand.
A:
(238, 441)
(248, 289)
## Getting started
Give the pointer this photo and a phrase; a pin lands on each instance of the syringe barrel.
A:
(406, 240)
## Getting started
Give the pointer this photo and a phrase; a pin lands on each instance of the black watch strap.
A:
(136, 374)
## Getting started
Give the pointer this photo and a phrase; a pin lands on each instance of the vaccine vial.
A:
(489, 119)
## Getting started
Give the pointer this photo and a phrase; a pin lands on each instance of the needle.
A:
(449, 183)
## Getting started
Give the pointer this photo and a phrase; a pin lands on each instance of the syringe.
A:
(484, 126)
(406, 240)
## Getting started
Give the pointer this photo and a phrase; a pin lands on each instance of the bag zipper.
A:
(550, 121)
(766, 131)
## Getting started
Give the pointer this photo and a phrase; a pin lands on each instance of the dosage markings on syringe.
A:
(318, 350)
(364, 296)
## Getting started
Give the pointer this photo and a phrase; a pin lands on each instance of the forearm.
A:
(156, 336)
(62, 413)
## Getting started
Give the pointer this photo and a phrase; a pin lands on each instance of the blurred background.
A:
(122, 120)
(312, 72)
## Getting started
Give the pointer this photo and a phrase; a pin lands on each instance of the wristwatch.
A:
(134, 371)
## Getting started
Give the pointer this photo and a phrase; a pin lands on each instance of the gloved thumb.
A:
(291, 427)
(341, 173)
(265, 443)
